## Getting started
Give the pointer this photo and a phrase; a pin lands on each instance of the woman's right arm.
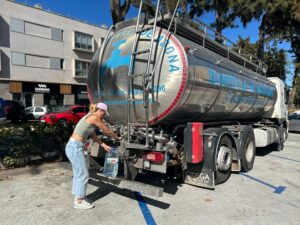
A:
(105, 129)
(100, 142)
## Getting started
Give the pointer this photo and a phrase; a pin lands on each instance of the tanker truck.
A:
(183, 102)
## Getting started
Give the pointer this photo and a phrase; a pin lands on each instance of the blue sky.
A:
(98, 12)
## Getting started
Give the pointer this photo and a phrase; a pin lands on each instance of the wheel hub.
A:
(224, 158)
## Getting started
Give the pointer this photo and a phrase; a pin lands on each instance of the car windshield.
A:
(63, 109)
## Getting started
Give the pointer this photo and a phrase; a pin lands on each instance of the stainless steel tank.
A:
(191, 83)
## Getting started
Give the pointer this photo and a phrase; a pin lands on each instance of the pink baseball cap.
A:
(102, 106)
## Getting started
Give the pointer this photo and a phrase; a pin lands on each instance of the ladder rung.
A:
(141, 52)
(135, 99)
(148, 39)
(140, 75)
(144, 60)
(144, 29)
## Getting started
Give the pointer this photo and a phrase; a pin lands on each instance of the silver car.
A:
(36, 112)
(294, 122)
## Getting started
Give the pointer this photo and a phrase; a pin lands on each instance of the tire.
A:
(281, 134)
(62, 122)
(223, 160)
(285, 134)
(248, 150)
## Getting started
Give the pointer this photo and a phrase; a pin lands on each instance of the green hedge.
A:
(19, 143)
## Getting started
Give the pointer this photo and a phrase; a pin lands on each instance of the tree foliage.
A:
(276, 61)
(274, 58)
(224, 16)
(119, 10)
(297, 91)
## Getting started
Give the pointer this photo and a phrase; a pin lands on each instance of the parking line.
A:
(145, 210)
(277, 190)
(285, 158)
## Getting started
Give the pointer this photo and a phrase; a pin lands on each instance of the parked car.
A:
(2, 112)
(297, 112)
(36, 112)
(65, 114)
(14, 110)
(294, 122)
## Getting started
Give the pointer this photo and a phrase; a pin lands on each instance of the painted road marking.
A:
(277, 190)
(145, 210)
(285, 158)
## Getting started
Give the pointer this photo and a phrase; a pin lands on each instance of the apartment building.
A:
(44, 56)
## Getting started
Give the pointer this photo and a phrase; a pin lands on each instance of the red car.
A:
(65, 114)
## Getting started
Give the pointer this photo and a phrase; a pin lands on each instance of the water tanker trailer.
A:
(184, 102)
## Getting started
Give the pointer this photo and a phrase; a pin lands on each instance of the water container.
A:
(111, 163)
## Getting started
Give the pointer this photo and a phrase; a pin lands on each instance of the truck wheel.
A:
(248, 150)
(223, 160)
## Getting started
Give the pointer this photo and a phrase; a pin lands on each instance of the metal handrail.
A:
(231, 45)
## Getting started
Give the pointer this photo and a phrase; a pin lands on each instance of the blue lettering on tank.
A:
(170, 49)
(173, 58)
(233, 82)
(173, 68)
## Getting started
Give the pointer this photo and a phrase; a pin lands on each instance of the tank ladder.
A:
(148, 76)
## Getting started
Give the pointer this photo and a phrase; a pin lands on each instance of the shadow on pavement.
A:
(260, 152)
(106, 188)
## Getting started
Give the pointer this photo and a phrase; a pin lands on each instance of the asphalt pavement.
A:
(268, 194)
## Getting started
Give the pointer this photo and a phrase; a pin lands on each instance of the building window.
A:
(56, 34)
(37, 61)
(81, 68)
(83, 41)
(36, 29)
(56, 63)
(17, 25)
(18, 58)
(46, 62)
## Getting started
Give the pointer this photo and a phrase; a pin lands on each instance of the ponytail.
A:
(93, 108)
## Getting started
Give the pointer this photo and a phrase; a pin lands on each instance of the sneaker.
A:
(82, 205)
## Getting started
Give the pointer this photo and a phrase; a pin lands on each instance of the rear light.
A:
(154, 156)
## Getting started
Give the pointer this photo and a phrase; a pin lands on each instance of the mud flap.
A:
(205, 178)
(201, 174)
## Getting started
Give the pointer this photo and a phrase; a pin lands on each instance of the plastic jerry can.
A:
(111, 163)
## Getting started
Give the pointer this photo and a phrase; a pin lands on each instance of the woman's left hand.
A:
(106, 147)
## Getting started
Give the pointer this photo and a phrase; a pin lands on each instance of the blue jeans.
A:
(74, 152)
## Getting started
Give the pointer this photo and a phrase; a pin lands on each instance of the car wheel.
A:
(62, 122)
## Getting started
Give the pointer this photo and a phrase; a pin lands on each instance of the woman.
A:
(75, 147)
